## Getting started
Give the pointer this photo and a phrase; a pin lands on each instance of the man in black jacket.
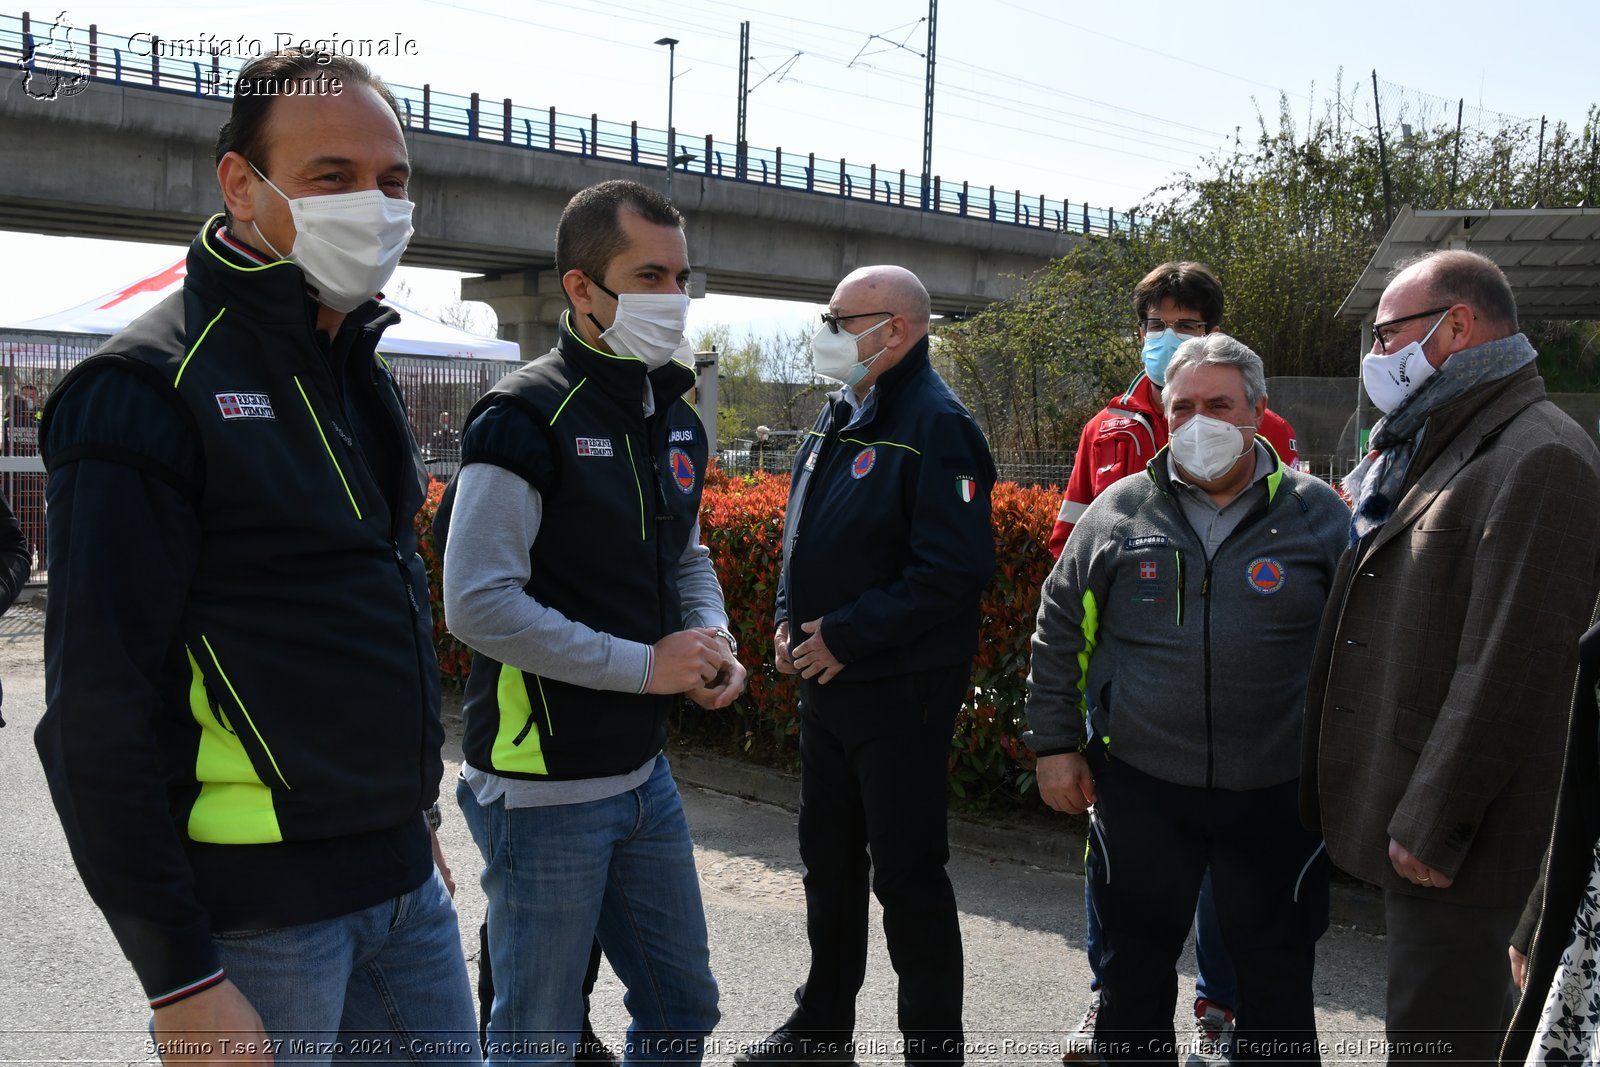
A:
(242, 728)
(887, 549)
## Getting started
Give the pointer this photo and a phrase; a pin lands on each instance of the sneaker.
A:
(1213, 1036)
(1078, 1046)
(789, 1045)
(591, 1051)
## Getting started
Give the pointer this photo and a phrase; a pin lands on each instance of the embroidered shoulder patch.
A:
(593, 446)
(245, 405)
(683, 472)
(680, 435)
(1148, 541)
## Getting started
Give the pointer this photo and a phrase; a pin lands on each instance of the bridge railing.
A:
(63, 63)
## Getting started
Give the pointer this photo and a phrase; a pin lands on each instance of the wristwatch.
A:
(723, 632)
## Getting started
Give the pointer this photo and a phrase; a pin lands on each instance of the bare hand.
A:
(687, 660)
(811, 656)
(725, 688)
(217, 1025)
(780, 650)
(440, 862)
(1519, 966)
(1414, 870)
(1065, 782)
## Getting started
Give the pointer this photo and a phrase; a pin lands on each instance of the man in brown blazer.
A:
(1438, 697)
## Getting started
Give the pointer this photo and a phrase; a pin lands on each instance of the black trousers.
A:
(1450, 994)
(874, 782)
(1150, 845)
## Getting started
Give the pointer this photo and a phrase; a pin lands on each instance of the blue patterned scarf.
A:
(1377, 481)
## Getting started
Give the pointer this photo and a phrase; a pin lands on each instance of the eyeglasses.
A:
(1383, 332)
(1187, 327)
(833, 321)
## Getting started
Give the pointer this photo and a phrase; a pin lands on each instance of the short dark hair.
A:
(288, 72)
(1185, 283)
(589, 235)
(1457, 276)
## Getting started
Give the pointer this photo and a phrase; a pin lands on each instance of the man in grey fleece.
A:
(1187, 600)
(574, 569)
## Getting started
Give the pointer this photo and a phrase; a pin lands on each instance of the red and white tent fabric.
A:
(414, 335)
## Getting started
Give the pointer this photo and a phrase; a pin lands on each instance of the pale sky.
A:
(1090, 100)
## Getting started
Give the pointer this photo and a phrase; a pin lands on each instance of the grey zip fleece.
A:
(1195, 670)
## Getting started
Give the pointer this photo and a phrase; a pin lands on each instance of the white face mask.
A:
(348, 244)
(1207, 448)
(649, 327)
(835, 355)
(1391, 377)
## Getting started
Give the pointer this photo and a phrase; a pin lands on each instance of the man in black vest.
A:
(574, 569)
(242, 734)
(886, 551)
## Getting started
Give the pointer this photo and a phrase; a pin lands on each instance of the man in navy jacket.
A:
(887, 549)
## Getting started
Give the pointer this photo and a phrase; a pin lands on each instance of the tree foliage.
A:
(1288, 219)
(762, 381)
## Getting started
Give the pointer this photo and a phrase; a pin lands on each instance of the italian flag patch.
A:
(966, 488)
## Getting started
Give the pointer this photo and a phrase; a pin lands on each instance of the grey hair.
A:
(1219, 349)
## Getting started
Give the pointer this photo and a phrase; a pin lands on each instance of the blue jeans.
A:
(1214, 979)
(386, 984)
(556, 877)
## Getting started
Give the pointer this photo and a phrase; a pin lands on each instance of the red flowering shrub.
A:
(741, 522)
(455, 659)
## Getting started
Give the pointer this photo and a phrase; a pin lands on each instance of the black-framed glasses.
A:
(1187, 327)
(833, 321)
(1383, 332)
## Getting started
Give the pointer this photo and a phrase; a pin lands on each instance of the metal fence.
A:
(65, 57)
(438, 394)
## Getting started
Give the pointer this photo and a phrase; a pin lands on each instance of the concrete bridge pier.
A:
(528, 304)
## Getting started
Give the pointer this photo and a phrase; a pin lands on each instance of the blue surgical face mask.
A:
(1158, 349)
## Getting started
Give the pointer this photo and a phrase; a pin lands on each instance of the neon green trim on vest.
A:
(512, 750)
(329, 448)
(243, 710)
(869, 444)
(234, 806)
(195, 348)
(205, 242)
(1091, 633)
(564, 403)
(638, 485)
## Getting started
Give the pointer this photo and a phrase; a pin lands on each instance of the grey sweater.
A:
(1195, 669)
(495, 519)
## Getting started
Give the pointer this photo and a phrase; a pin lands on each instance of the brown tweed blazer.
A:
(1437, 705)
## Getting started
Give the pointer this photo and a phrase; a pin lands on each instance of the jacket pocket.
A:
(1413, 726)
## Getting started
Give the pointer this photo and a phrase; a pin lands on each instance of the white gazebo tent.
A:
(414, 335)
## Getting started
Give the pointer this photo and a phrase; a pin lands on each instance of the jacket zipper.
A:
(820, 448)
(1249, 519)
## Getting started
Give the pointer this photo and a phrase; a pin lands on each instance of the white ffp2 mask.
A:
(348, 244)
(1206, 447)
(649, 327)
(834, 355)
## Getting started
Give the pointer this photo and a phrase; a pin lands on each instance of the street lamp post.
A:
(672, 76)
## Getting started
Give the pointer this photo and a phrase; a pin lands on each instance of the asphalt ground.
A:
(68, 996)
